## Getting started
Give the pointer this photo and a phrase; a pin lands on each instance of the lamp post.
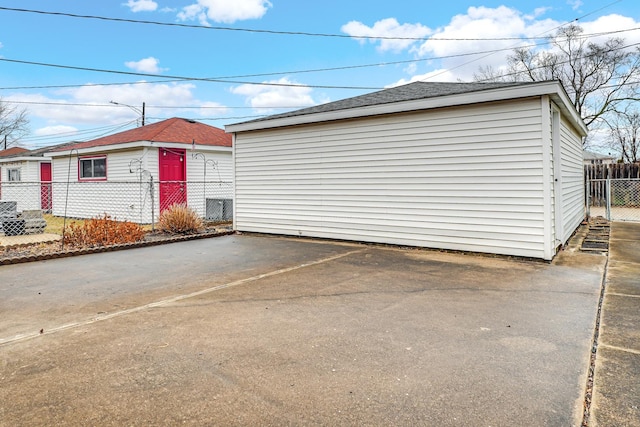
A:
(136, 109)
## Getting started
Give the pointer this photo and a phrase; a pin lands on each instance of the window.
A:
(13, 175)
(93, 168)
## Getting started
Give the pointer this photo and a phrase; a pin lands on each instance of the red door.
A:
(45, 187)
(172, 177)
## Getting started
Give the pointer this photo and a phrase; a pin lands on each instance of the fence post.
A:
(608, 197)
(588, 199)
(153, 204)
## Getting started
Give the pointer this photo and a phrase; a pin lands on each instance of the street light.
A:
(136, 109)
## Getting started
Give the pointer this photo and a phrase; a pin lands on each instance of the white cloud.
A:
(575, 4)
(440, 75)
(146, 65)
(539, 11)
(389, 27)
(208, 109)
(463, 57)
(141, 5)
(56, 130)
(613, 22)
(103, 113)
(224, 11)
(492, 34)
(270, 97)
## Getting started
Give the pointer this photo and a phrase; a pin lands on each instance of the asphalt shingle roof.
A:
(13, 151)
(408, 92)
(174, 130)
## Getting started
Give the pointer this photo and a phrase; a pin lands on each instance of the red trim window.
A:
(92, 168)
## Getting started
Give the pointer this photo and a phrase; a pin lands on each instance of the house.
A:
(25, 178)
(591, 158)
(482, 167)
(136, 174)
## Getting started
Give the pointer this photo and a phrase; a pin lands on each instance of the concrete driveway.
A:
(255, 330)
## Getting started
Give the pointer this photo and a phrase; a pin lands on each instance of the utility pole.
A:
(5, 142)
(136, 109)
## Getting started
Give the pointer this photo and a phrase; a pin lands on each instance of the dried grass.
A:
(102, 231)
(179, 219)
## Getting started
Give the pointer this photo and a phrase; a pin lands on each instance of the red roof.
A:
(12, 151)
(175, 130)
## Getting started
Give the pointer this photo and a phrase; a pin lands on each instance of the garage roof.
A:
(415, 96)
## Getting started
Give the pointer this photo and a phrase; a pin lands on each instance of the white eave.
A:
(551, 88)
(135, 145)
(24, 159)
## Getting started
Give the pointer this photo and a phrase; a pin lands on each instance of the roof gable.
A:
(174, 130)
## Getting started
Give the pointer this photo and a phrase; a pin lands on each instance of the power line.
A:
(179, 107)
(316, 70)
(45, 140)
(176, 107)
(342, 68)
(201, 79)
(276, 32)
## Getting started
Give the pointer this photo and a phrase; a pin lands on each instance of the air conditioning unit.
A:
(219, 210)
(8, 212)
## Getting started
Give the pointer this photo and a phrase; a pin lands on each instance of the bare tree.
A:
(13, 124)
(624, 130)
(599, 78)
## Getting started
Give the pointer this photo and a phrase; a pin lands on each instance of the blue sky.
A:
(241, 44)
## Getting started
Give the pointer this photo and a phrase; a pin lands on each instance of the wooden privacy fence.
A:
(614, 171)
(598, 187)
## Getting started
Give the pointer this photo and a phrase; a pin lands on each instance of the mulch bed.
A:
(52, 250)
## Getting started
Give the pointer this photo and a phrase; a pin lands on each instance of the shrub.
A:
(179, 219)
(102, 231)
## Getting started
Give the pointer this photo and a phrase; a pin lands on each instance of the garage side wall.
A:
(573, 196)
(466, 178)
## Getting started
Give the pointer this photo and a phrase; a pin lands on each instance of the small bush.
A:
(102, 231)
(179, 219)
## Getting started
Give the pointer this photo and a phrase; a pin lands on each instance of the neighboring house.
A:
(136, 174)
(25, 177)
(483, 167)
(591, 158)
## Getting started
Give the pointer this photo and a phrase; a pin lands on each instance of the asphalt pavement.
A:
(259, 330)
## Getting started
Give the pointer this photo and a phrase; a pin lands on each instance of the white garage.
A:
(482, 167)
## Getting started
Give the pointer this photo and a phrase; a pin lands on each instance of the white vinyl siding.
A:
(122, 195)
(573, 196)
(125, 194)
(26, 191)
(467, 178)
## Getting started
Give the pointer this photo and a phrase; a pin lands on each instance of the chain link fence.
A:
(27, 207)
(614, 199)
